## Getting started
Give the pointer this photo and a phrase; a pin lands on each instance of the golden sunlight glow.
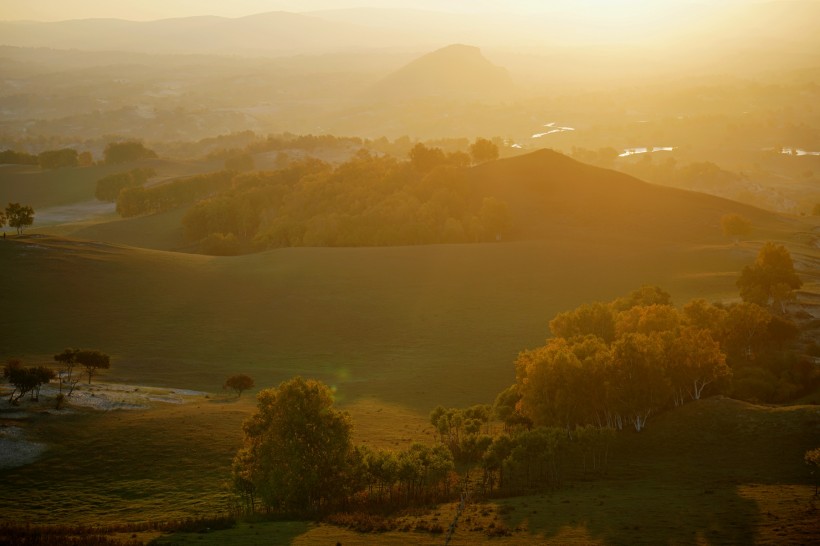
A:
(630, 12)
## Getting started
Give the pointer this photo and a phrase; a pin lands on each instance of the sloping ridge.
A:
(455, 71)
(547, 191)
(702, 438)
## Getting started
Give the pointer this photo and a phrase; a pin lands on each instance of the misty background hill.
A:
(456, 71)
(718, 86)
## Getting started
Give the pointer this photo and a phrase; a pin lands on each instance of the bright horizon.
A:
(58, 10)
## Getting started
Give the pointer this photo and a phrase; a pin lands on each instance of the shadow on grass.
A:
(244, 534)
(637, 512)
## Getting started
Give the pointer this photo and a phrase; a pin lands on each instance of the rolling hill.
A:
(549, 193)
(383, 319)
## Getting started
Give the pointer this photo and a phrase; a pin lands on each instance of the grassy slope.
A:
(415, 325)
(169, 462)
(714, 472)
(548, 192)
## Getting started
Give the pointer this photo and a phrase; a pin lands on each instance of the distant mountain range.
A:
(279, 33)
(289, 33)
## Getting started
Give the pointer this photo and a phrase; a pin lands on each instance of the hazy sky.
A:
(55, 10)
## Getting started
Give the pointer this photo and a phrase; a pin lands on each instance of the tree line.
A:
(366, 201)
(114, 152)
(298, 457)
(139, 200)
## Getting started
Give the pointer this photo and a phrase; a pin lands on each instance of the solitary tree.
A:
(68, 359)
(18, 216)
(93, 361)
(483, 150)
(42, 375)
(3, 220)
(735, 225)
(239, 382)
(297, 449)
(771, 279)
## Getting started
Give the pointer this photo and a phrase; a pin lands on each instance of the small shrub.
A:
(361, 522)
(499, 530)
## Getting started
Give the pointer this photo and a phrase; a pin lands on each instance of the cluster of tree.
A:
(480, 150)
(115, 152)
(12, 157)
(49, 159)
(109, 187)
(125, 151)
(25, 380)
(57, 159)
(31, 379)
(255, 144)
(542, 457)
(654, 360)
(616, 363)
(522, 457)
(139, 200)
(17, 216)
(298, 457)
(419, 474)
(367, 201)
(92, 360)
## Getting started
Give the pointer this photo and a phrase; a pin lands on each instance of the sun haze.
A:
(392, 272)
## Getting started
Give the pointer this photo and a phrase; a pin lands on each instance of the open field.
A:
(126, 463)
(419, 326)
